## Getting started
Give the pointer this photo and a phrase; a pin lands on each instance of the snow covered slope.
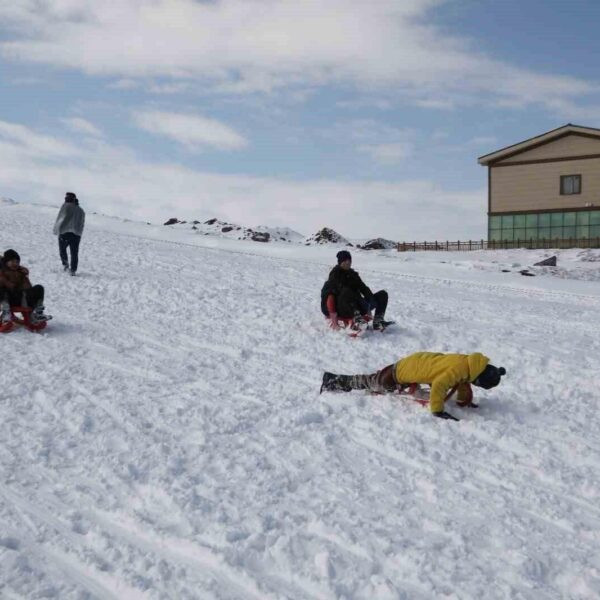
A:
(164, 438)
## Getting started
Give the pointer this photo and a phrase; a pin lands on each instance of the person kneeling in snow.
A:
(16, 289)
(344, 295)
(445, 373)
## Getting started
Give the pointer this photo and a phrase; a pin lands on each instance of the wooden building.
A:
(546, 188)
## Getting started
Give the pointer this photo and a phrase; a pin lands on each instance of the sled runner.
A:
(24, 320)
(358, 326)
(418, 394)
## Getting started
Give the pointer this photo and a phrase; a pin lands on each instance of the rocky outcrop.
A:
(326, 236)
(378, 244)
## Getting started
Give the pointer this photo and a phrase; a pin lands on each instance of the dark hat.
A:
(11, 255)
(489, 377)
(343, 255)
(70, 197)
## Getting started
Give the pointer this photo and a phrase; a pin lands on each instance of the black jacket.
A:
(340, 279)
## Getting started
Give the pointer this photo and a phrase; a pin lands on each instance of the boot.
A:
(5, 313)
(335, 383)
(379, 323)
(38, 316)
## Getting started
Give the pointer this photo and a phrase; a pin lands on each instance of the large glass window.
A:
(568, 225)
(496, 222)
(544, 233)
(531, 220)
(583, 218)
(520, 221)
(583, 232)
(544, 220)
(507, 221)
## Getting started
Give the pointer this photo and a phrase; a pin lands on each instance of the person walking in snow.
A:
(69, 229)
(16, 289)
(445, 373)
(344, 295)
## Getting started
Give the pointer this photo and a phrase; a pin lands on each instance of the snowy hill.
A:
(164, 437)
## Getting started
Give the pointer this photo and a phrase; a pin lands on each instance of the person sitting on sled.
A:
(16, 290)
(445, 373)
(345, 296)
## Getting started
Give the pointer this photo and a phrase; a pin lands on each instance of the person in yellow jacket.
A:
(445, 373)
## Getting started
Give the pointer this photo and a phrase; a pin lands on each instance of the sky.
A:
(367, 117)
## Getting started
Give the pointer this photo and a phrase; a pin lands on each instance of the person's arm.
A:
(82, 220)
(439, 388)
(331, 309)
(5, 283)
(363, 288)
(26, 285)
(465, 395)
(59, 220)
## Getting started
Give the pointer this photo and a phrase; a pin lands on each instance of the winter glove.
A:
(333, 322)
(442, 414)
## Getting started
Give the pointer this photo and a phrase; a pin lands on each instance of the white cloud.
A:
(241, 46)
(115, 181)
(25, 141)
(190, 130)
(81, 125)
(387, 154)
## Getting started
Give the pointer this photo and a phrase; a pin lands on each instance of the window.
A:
(570, 184)
(568, 225)
(496, 222)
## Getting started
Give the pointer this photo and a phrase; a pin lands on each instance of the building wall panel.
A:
(537, 186)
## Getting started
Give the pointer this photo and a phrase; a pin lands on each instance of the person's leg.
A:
(379, 382)
(34, 296)
(74, 245)
(347, 303)
(379, 303)
(62, 250)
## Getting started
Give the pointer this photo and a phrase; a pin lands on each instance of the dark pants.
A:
(378, 302)
(382, 381)
(348, 301)
(71, 241)
(31, 297)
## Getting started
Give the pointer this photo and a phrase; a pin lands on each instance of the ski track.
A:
(164, 438)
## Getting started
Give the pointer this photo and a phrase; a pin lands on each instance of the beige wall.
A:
(537, 186)
(571, 145)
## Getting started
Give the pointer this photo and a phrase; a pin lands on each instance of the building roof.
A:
(538, 140)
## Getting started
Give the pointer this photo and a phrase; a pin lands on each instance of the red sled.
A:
(24, 320)
(351, 326)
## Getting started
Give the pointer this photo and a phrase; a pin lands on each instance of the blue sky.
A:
(364, 116)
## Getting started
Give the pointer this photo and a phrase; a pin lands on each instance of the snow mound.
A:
(5, 200)
(281, 234)
(326, 236)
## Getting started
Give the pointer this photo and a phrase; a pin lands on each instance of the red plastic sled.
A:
(24, 320)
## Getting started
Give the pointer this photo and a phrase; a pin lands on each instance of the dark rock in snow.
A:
(378, 244)
(326, 236)
(548, 262)
(171, 222)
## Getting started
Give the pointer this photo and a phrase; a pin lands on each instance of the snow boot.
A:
(6, 317)
(335, 383)
(379, 323)
(38, 316)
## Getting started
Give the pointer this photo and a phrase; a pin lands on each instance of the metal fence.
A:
(497, 245)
